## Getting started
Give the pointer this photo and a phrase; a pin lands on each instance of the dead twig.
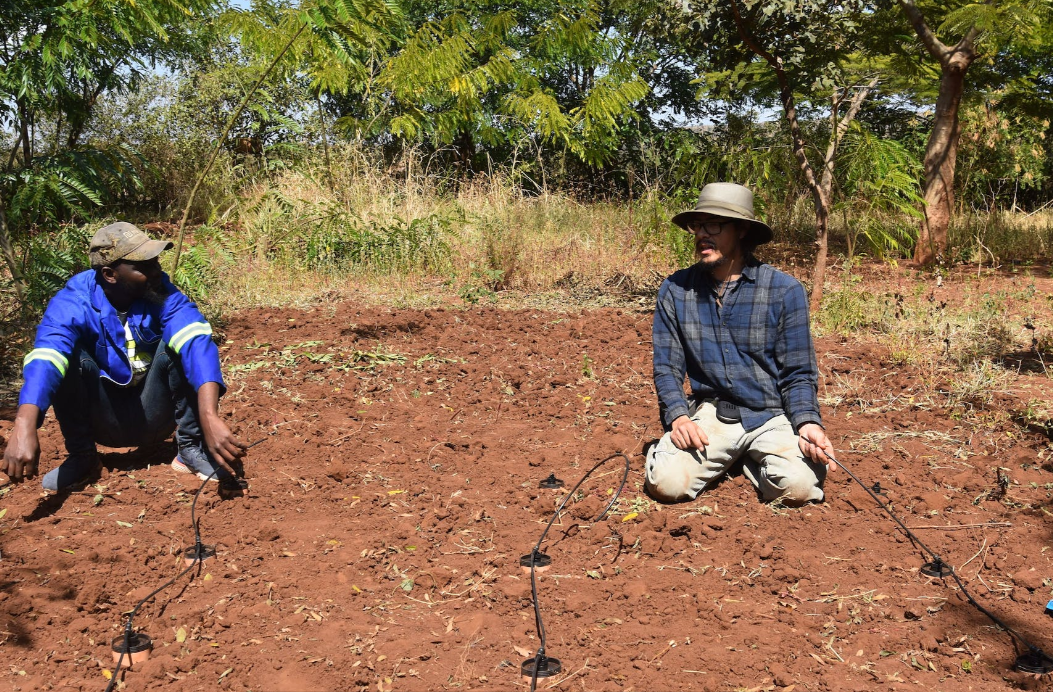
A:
(669, 647)
(470, 549)
(982, 548)
(955, 527)
(830, 645)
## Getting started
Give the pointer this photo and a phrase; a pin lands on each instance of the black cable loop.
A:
(197, 561)
(539, 656)
(140, 604)
(1014, 635)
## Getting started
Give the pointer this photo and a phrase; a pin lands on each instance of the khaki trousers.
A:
(773, 461)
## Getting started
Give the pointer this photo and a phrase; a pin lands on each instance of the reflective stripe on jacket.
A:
(81, 316)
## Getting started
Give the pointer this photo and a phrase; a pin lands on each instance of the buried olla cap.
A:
(730, 201)
(123, 241)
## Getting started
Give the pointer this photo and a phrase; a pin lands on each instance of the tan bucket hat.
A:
(730, 201)
(123, 241)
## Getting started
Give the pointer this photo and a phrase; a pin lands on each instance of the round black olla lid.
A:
(538, 560)
(936, 568)
(191, 553)
(1034, 662)
(233, 486)
(551, 483)
(546, 667)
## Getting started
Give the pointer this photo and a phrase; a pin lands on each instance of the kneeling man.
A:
(738, 329)
(125, 358)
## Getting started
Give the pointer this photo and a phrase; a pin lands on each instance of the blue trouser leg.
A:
(184, 405)
(91, 409)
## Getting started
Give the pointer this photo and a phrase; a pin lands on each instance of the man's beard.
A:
(154, 296)
(713, 264)
(710, 265)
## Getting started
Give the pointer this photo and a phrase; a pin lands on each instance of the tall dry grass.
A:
(357, 224)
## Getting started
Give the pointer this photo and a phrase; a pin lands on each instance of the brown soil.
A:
(378, 545)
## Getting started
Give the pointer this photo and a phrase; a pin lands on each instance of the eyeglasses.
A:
(711, 227)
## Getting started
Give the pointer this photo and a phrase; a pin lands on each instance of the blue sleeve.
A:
(46, 365)
(189, 335)
(795, 359)
(669, 364)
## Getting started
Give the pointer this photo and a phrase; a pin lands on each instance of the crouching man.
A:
(738, 329)
(125, 358)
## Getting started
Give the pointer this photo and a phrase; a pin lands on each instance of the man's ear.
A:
(108, 274)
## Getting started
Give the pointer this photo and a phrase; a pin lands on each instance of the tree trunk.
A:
(9, 254)
(822, 220)
(821, 189)
(941, 152)
(27, 142)
(466, 152)
(941, 155)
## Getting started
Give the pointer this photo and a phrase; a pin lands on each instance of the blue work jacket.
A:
(81, 316)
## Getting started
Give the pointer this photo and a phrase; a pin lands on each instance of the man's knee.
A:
(797, 485)
(668, 478)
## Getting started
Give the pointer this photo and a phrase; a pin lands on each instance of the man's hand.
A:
(814, 442)
(23, 448)
(687, 434)
(219, 440)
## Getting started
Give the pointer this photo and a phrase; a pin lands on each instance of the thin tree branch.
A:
(785, 95)
(854, 105)
(936, 48)
(968, 43)
(840, 126)
(14, 151)
(219, 143)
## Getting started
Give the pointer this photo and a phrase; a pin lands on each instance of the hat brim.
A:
(148, 250)
(759, 232)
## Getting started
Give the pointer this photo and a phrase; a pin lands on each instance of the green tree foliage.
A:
(803, 52)
(322, 39)
(489, 77)
(1002, 155)
(56, 59)
(878, 186)
(604, 97)
(995, 30)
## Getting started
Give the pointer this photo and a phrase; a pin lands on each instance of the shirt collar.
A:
(749, 272)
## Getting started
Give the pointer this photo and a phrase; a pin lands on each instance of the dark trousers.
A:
(92, 409)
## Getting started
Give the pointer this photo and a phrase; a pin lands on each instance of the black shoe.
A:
(73, 470)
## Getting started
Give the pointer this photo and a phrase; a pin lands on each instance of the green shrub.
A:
(54, 257)
(203, 263)
(850, 309)
(344, 241)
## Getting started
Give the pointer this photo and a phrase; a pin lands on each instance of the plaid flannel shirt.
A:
(756, 351)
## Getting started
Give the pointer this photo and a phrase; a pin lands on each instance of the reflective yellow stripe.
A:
(189, 332)
(50, 355)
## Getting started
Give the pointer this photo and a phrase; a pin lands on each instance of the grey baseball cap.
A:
(123, 241)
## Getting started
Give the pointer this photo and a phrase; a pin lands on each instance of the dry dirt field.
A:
(396, 488)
